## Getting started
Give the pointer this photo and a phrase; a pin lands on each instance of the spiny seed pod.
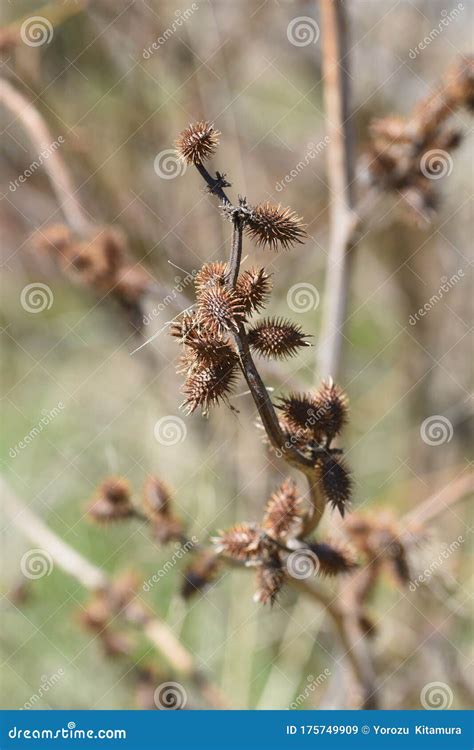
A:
(197, 142)
(283, 511)
(112, 502)
(270, 579)
(221, 310)
(276, 337)
(156, 498)
(211, 274)
(186, 324)
(331, 560)
(331, 409)
(298, 437)
(298, 411)
(205, 386)
(271, 225)
(254, 287)
(158, 509)
(207, 350)
(200, 574)
(336, 481)
(243, 542)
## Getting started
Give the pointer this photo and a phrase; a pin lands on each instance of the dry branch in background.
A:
(130, 608)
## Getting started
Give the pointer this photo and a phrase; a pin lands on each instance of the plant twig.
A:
(158, 633)
(54, 165)
(340, 171)
(442, 499)
(355, 652)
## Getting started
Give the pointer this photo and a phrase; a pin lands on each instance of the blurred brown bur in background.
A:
(117, 111)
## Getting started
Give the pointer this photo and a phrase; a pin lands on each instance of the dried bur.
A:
(100, 263)
(219, 337)
(409, 155)
(210, 359)
(99, 615)
(270, 545)
(384, 543)
(112, 501)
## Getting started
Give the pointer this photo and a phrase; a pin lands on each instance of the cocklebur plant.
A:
(219, 337)
(408, 155)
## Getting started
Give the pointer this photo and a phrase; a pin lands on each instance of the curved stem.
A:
(54, 165)
(356, 653)
(158, 632)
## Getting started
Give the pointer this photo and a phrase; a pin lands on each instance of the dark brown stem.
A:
(256, 386)
(215, 184)
(236, 250)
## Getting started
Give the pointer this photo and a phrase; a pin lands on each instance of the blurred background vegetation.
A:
(230, 63)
